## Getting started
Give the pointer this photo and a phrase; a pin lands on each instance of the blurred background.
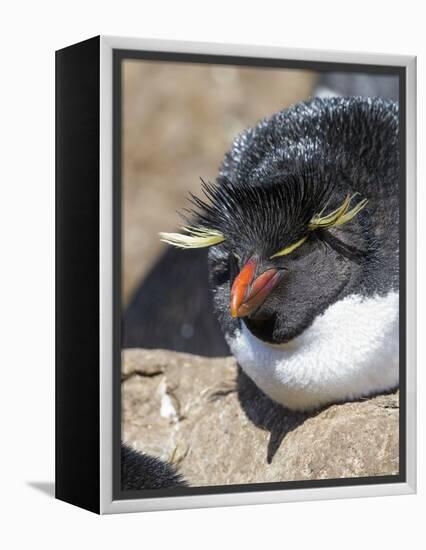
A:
(178, 121)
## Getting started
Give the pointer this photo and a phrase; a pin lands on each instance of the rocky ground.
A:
(209, 419)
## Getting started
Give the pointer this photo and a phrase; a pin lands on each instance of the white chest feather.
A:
(349, 351)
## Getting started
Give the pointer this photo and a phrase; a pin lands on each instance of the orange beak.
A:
(247, 293)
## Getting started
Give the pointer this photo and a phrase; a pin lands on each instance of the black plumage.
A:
(173, 308)
(142, 471)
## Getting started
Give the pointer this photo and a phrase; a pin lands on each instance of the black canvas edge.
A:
(77, 459)
(120, 55)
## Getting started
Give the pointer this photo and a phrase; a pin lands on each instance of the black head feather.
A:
(262, 216)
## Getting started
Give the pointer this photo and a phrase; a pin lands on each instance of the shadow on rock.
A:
(267, 414)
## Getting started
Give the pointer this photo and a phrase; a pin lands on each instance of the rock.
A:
(215, 425)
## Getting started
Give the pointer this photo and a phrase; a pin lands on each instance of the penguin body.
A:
(142, 471)
(173, 308)
(303, 228)
(342, 338)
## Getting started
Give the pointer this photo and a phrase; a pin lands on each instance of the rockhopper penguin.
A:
(302, 225)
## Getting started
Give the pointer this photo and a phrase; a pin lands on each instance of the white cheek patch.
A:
(349, 351)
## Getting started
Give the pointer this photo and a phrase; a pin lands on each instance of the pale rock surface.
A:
(209, 419)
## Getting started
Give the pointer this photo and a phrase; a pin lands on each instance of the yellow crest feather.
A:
(289, 249)
(196, 237)
(201, 237)
(339, 216)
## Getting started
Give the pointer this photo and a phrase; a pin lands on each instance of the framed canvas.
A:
(235, 281)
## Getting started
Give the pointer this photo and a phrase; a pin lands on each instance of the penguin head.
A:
(283, 247)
